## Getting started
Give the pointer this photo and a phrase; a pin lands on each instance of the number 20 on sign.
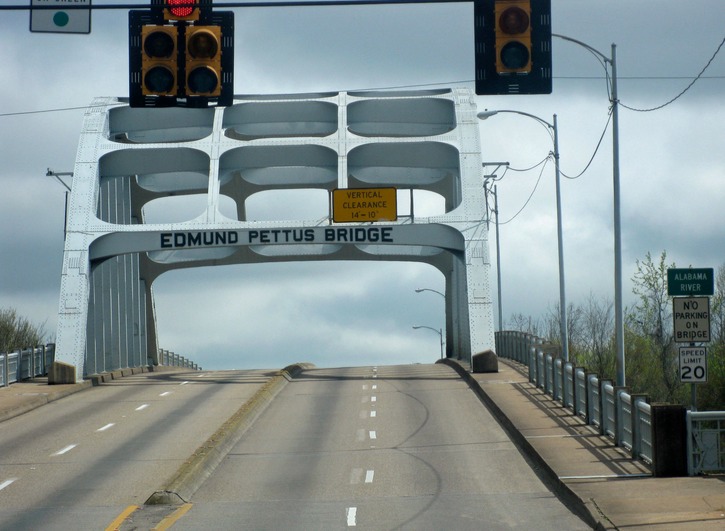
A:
(693, 365)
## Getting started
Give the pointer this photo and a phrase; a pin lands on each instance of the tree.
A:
(652, 319)
(18, 332)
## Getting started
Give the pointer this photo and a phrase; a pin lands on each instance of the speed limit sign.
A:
(693, 364)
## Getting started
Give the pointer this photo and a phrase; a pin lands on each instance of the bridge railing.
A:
(628, 419)
(25, 363)
(32, 362)
(175, 360)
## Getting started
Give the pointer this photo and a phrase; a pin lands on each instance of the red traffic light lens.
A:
(180, 8)
(513, 21)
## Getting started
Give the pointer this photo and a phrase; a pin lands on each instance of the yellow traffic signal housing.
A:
(159, 63)
(203, 60)
(186, 10)
(513, 36)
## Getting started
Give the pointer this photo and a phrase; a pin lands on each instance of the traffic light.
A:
(181, 63)
(203, 61)
(512, 46)
(159, 66)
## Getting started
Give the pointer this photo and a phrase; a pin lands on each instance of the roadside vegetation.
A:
(651, 354)
(18, 332)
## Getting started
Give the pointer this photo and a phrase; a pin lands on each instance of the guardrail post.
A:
(669, 440)
(5, 369)
(636, 424)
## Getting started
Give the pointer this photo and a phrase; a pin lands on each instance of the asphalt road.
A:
(399, 447)
(77, 463)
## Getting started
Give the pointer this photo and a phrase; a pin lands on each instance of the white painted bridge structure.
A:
(128, 157)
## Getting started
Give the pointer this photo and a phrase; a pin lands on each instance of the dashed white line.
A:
(375, 386)
(65, 450)
(373, 414)
(351, 513)
(141, 407)
(373, 398)
(369, 476)
(373, 434)
(184, 382)
(107, 426)
(7, 483)
(166, 393)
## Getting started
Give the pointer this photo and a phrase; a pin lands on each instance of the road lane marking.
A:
(65, 450)
(375, 386)
(184, 382)
(373, 434)
(142, 407)
(116, 524)
(166, 393)
(373, 414)
(351, 513)
(369, 476)
(373, 398)
(107, 426)
(365, 387)
(7, 483)
(171, 519)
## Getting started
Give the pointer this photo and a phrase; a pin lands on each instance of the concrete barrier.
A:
(485, 361)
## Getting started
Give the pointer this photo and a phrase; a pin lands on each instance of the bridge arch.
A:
(128, 158)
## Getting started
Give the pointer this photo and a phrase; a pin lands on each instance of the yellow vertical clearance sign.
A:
(360, 205)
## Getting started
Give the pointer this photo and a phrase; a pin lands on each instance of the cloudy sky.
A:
(672, 169)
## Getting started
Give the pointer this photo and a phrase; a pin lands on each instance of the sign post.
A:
(60, 19)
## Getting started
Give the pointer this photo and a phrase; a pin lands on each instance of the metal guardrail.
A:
(705, 441)
(32, 362)
(26, 363)
(624, 417)
(175, 360)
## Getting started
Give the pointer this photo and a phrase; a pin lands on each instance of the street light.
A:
(562, 292)
(618, 304)
(438, 331)
(418, 290)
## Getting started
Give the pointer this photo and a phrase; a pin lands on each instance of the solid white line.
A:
(104, 428)
(66, 449)
(7, 483)
(373, 434)
(351, 516)
(369, 476)
(607, 476)
(142, 406)
(373, 413)
(165, 393)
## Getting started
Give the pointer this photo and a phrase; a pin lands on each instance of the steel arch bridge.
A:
(127, 157)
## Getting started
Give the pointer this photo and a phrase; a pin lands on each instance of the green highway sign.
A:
(690, 282)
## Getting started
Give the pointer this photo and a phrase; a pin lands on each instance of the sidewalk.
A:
(611, 489)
